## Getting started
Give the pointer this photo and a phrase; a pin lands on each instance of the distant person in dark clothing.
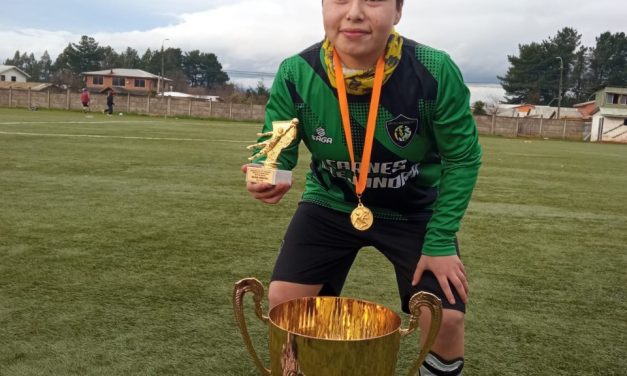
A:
(85, 99)
(109, 110)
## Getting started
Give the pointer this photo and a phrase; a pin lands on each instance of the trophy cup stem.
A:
(433, 303)
(242, 287)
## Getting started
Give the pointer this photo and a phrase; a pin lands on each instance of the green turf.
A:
(121, 238)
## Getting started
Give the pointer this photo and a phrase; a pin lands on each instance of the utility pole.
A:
(559, 92)
(161, 83)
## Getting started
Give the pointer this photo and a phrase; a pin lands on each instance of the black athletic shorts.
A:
(321, 244)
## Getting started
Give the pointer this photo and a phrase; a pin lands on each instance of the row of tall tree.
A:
(194, 69)
(534, 74)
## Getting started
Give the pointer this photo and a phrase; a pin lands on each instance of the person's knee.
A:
(280, 292)
(449, 343)
(277, 295)
(452, 323)
(447, 354)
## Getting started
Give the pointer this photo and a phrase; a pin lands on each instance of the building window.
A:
(3, 78)
(13, 78)
(140, 83)
(623, 99)
(97, 80)
(612, 98)
(118, 81)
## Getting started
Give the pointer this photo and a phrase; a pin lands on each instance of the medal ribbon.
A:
(360, 183)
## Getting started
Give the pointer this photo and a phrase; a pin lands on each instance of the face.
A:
(359, 29)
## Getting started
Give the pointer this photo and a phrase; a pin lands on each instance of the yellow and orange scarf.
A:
(361, 81)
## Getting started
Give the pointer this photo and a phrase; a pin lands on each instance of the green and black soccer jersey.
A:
(425, 156)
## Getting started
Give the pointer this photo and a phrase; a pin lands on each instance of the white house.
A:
(609, 120)
(12, 73)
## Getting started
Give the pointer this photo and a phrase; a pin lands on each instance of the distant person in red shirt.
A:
(85, 99)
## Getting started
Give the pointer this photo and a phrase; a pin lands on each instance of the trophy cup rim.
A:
(389, 314)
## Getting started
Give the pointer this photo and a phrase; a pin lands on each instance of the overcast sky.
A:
(255, 35)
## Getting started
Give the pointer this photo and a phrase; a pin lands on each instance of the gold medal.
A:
(361, 217)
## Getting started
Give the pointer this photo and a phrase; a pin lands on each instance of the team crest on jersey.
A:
(401, 130)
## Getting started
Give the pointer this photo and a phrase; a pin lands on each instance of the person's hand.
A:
(265, 192)
(448, 270)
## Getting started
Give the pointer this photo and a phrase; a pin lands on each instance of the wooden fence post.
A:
(67, 99)
(230, 110)
(564, 131)
(10, 97)
(189, 111)
(30, 101)
(148, 104)
(493, 123)
(48, 97)
(169, 104)
(541, 120)
(210, 108)
(128, 102)
(517, 119)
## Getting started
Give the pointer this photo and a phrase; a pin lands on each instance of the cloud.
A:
(480, 34)
(34, 41)
(249, 38)
(256, 35)
(240, 34)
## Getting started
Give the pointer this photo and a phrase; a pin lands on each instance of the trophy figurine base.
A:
(262, 174)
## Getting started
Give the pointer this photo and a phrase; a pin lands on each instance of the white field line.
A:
(121, 137)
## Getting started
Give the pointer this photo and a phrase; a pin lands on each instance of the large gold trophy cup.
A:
(281, 136)
(331, 336)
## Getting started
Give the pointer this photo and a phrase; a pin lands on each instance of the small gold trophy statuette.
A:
(282, 135)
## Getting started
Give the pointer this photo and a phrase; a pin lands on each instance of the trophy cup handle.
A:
(433, 303)
(242, 287)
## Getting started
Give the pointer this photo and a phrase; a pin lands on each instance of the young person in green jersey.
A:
(394, 160)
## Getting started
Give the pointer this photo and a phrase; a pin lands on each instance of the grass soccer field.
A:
(121, 238)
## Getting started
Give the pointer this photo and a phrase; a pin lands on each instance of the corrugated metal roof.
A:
(545, 112)
(211, 98)
(34, 86)
(123, 90)
(506, 111)
(571, 113)
(583, 104)
(124, 72)
(4, 68)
